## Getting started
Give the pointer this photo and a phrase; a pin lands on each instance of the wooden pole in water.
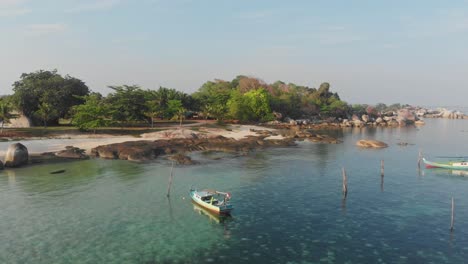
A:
(345, 183)
(170, 181)
(453, 217)
(419, 159)
(382, 168)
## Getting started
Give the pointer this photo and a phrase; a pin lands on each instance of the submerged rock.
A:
(16, 155)
(369, 143)
(182, 159)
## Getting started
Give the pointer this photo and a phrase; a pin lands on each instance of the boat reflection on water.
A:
(441, 171)
(212, 216)
(459, 173)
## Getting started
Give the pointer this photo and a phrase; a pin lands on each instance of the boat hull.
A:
(224, 209)
(462, 165)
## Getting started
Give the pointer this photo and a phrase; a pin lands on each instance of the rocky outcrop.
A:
(18, 121)
(369, 143)
(16, 155)
(71, 152)
(148, 150)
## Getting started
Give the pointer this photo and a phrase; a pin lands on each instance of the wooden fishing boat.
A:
(212, 200)
(453, 165)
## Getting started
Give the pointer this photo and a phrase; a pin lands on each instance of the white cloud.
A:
(9, 2)
(12, 8)
(94, 5)
(44, 29)
(14, 12)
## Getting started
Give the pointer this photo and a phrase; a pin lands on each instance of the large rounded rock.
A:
(369, 143)
(16, 155)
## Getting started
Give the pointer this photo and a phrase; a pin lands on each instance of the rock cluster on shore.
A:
(403, 117)
(175, 146)
(17, 155)
(148, 150)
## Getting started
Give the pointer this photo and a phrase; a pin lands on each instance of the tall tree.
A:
(153, 111)
(46, 112)
(128, 103)
(33, 89)
(176, 110)
(94, 113)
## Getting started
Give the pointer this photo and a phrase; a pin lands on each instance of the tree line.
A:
(46, 96)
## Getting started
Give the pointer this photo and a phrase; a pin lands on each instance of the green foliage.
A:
(127, 103)
(176, 109)
(40, 90)
(94, 113)
(46, 111)
(218, 111)
(253, 105)
(153, 111)
(5, 111)
(48, 96)
(213, 93)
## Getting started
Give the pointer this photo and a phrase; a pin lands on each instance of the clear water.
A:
(288, 206)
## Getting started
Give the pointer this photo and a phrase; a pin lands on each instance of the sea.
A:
(289, 205)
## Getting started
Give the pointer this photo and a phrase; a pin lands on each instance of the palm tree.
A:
(181, 114)
(45, 112)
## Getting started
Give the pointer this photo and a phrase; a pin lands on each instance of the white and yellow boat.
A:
(212, 200)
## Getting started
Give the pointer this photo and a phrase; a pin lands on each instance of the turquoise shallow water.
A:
(288, 201)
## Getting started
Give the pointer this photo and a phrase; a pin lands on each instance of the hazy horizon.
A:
(395, 52)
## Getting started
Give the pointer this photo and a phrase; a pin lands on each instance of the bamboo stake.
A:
(382, 168)
(170, 181)
(382, 184)
(345, 183)
(453, 215)
(419, 159)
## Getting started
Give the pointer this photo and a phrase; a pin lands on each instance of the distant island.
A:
(132, 123)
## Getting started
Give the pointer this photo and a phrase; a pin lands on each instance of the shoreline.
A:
(38, 145)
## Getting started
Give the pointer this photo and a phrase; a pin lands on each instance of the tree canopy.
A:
(37, 91)
(46, 96)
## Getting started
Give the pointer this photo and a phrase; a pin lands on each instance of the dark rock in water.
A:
(57, 171)
(404, 144)
(16, 155)
(182, 159)
(1, 165)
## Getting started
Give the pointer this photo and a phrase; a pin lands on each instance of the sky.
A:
(370, 51)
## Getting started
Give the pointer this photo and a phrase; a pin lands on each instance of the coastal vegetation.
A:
(45, 97)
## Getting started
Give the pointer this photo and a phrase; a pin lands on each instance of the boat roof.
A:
(205, 193)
